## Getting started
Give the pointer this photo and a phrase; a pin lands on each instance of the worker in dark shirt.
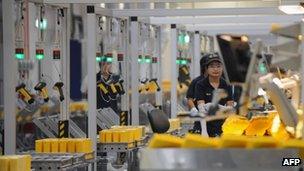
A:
(190, 93)
(204, 91)
(104, 76)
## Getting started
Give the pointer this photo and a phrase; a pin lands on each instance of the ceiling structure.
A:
(211, 16)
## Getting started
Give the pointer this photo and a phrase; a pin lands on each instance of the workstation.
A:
(151, 85)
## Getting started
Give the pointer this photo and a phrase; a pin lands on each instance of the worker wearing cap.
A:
(204, 91)
(104, 76)
(190, 93)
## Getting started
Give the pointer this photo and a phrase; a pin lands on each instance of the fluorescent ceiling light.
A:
(292, 9)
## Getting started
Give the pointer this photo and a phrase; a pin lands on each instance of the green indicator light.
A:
(109, 59)
(262, 68)
(178, 61)
(183, 62)
(181, 39)
(39, 56)
(19, 56)
(148, 60)
(98, 59)
(187, 39)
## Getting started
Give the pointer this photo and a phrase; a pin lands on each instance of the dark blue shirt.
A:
(191, 89)
(105, 101)
(204, 90)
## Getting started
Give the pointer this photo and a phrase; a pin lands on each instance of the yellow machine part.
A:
(277, 129)
(228, 141)
(54, 145)
(235, 125)
(174, 124)
(83, 145)
(258, 126)
(295, 143)
(198, 141)
(262, 142)
(15, 163)
(63, 145)
(165, 141)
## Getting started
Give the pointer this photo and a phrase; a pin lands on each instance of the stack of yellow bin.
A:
(15, 163)
(122, 134)
(198, 141)
(235, 125)
(64, 145)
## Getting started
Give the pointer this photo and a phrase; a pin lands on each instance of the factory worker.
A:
(204, 91)
(190, 93)
(192, 104)
(105, 75)
(103, 101)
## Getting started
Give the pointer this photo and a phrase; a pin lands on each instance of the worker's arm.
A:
(200, 96)
(191, 103)
(230, 101)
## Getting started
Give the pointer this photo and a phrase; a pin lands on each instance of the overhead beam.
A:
(227, 19)
(139, 1)
(196, 12)
(252, 29)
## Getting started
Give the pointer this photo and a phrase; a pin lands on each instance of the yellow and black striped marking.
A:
(63, 129)
(124, 118)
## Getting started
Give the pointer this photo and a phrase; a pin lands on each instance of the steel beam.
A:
(10, 75)
(142, 1)
(173, 95)
(196, 12)
(158, 43)
(302, 65)
(134, 70)
(227, 19)
(197, 53)
(91, 67)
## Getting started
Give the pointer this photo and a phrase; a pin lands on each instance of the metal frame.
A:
(197, 53)
(134, 70)
(230, 19)
(195, 12)
(10, 69)
(126, 1)
(158, 95)
(173, 97)
(302, 66)
(91, 55)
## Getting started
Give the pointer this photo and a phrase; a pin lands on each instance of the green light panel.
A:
(19, 56)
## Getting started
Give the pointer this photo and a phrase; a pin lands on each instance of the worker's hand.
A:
(225, 108)
(194, 111)
(202, 109)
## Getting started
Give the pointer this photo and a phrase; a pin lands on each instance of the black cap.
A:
(213, 57)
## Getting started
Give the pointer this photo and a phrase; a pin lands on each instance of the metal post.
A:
(91, 48)
(65, 63)
(197, 51)
(302, 65)
(10, 73)
(125, 71)
(159, 99)
(173, 71)
(134, 71)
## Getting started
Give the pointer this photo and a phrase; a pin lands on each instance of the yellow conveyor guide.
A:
(15, 163)
(196, 141)
(122, 134)
(64, 145)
